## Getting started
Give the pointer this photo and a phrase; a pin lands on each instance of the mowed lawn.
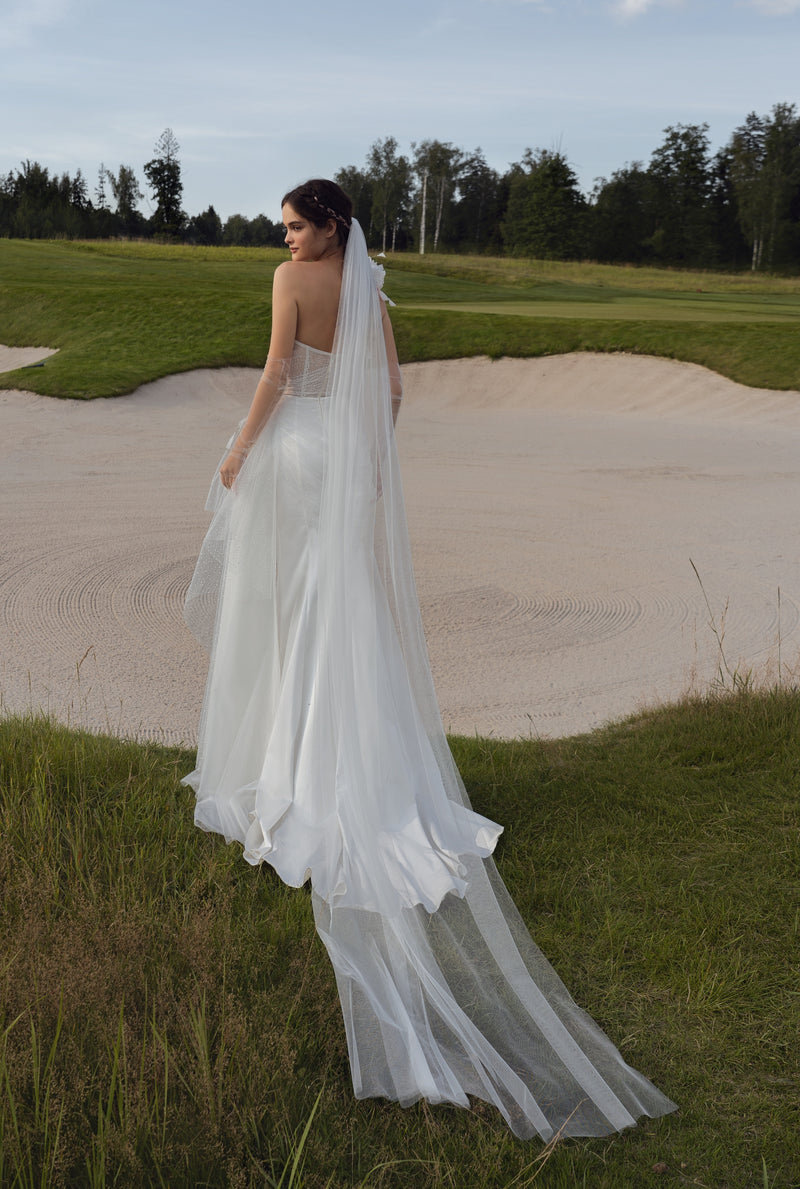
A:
(663, 308)
(121, 314)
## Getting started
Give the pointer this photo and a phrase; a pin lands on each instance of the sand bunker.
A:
(554, 506)
(14, 357)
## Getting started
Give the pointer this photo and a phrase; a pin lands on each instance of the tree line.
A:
(686, 207)
(37, 205)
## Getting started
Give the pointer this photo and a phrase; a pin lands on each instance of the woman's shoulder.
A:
(292, 281)
(304, 272)
(284, 274)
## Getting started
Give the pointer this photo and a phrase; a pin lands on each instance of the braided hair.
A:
(319, 200)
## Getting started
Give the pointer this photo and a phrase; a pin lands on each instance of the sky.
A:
(262, 96)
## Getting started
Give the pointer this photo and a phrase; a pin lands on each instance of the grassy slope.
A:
(656, 863)
(123, 314)
(120, 319)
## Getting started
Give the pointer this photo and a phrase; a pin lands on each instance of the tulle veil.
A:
(446, 997)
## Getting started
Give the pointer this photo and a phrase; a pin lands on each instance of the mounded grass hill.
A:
(125, 313)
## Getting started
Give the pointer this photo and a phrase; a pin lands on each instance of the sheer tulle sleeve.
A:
(265, 400)
(396, 382)
(392, 362)
(251, 438)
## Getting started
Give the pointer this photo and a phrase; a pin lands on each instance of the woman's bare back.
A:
(313, 287)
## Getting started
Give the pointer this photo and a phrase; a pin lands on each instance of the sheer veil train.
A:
(444, 993)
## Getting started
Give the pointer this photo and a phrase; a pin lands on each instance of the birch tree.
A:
(125, 189)
(437, 165)
(748, 151)
(390, 177)
(765, 169)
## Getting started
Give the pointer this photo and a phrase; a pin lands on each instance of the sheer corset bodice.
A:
(308, 373)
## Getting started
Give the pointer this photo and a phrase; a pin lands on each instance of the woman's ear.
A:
(331, 230)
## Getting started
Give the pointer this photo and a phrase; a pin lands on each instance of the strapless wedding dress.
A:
(444, 994)
(267, 772)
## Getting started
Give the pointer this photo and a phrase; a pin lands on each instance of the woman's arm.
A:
(275, 374)
(395, 376)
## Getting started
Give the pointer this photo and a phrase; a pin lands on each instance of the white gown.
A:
(321, 752)
(267, 773)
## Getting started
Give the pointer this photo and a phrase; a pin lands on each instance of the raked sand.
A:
(554, 506)
(14, 357)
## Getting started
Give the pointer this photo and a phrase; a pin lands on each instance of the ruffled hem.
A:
(418, 863)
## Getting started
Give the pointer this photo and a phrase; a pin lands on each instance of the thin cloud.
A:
(630, 9)
(27, 17)
(776, 8)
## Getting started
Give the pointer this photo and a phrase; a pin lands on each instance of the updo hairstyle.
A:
(320, 200)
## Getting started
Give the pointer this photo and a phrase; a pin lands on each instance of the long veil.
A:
(448, 997)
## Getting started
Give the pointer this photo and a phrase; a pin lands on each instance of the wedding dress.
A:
(321, 750)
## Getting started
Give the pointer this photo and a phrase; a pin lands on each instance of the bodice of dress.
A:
(308, 373)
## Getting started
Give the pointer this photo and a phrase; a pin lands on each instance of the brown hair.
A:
(319, 200)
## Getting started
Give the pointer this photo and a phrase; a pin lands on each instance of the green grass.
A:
(125, 313)
(650, 308)
(168, 1016)
(764, 356)
(522, 272)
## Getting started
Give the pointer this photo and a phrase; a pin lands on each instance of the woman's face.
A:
(305, 240)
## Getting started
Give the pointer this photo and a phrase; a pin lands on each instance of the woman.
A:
(321, 748)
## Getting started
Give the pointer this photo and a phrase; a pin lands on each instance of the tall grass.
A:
(168, 1017)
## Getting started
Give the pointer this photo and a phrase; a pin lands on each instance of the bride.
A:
(321, 748)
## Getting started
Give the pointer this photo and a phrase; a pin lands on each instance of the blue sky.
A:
(262, 96)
